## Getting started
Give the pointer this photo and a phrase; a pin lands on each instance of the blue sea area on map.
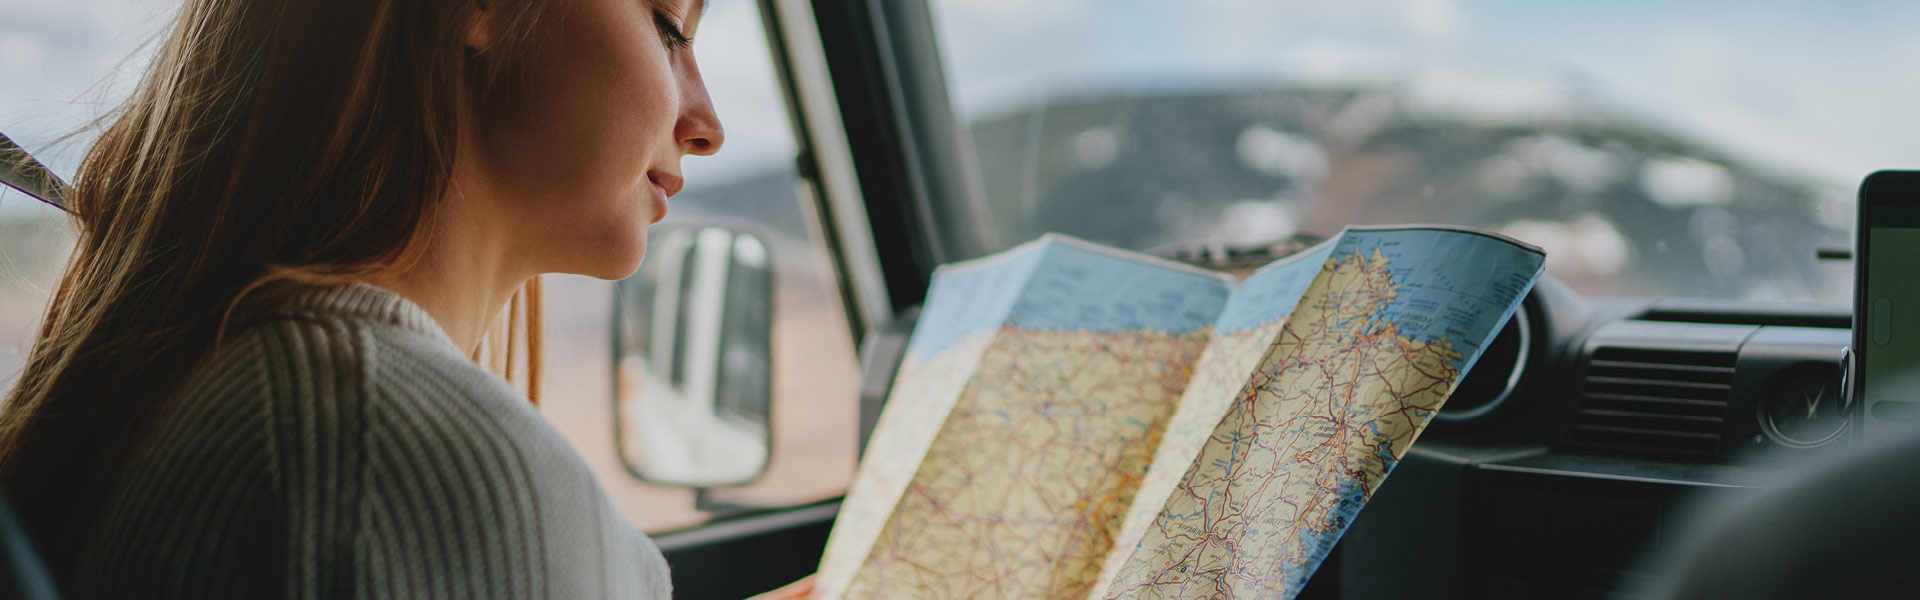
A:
(1270, 294)
(1319, 538)
(1078, 288)
(1057, 284)
(1450, 284)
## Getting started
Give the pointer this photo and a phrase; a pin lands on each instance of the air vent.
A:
(1671, 403)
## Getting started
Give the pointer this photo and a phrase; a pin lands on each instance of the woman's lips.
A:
(665, 185)
(668, 183)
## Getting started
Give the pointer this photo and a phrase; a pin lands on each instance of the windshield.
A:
(1696, 149)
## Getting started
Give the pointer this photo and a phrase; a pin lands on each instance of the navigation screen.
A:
(1890, 324)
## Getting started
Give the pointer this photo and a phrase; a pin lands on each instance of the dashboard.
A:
(1568, 461)
(1680, 380)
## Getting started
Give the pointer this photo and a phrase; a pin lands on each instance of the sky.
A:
(1820, 89)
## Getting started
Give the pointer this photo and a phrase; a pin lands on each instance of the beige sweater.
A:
(342, 447)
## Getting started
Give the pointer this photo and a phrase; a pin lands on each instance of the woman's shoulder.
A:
(363, 355)
(356, 378)
(458, 473)
(360, 425)
(350, 341)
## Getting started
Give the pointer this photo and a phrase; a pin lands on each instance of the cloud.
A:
(1009, 54)
(18, 51)
(1781, 97)
(1490, 95)
(1000, 51)
(1436, 19)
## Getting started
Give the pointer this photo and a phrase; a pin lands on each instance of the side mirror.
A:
(693, 359)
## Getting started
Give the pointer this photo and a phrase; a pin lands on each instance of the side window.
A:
(62, 64)
(750, 186)
(34, 242)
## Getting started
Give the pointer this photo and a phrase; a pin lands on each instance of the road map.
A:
(1073, 421)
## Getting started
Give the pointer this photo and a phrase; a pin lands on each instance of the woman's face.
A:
(584, 153)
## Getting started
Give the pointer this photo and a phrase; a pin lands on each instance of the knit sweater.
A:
(342, 447)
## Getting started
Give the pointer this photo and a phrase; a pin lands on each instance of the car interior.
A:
(1680, 388)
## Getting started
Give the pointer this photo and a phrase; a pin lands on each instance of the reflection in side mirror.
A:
(693, 353)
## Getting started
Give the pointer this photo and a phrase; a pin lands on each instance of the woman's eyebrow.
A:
(687, 10)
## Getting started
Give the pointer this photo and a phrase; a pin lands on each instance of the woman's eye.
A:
(670, 34)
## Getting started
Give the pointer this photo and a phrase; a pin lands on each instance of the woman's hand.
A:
(798, 590)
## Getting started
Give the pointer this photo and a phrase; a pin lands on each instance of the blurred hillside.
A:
(1624, 208)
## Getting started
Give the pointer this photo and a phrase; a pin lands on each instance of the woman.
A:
(257, 377)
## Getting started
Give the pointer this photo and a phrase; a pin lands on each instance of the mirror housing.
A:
(693, 359)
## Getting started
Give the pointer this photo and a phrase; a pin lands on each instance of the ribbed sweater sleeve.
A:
(345, 449)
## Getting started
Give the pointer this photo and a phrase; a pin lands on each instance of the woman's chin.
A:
(620, 270)
(612, 261)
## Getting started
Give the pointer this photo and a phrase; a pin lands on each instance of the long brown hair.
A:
(271, 141)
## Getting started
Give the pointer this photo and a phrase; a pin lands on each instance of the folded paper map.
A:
(1074, 421)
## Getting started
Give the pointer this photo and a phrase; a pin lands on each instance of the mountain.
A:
(1626, 207)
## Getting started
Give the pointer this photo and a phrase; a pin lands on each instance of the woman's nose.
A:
(698, 129)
